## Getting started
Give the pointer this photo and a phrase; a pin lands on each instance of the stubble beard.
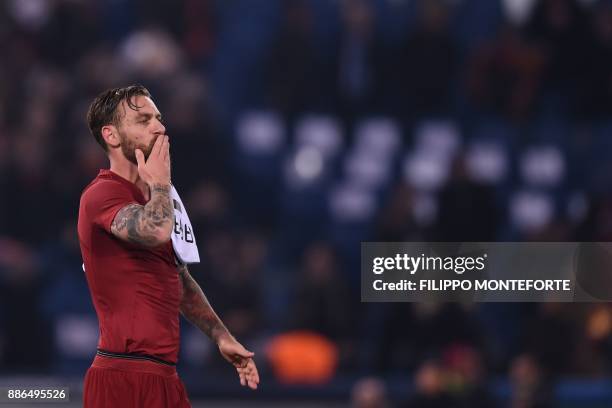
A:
(128, 148)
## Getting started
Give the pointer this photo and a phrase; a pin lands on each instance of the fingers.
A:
(248, 375)
(166, 148)
(157, 146)
(140, 157)
(252, 380)
(242, 378)
(242, 359)
(254, 374)
(248, 380)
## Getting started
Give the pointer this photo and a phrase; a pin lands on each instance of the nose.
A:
(160, 129)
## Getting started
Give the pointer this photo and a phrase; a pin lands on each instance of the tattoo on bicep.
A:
(196, 308)
(129, 222)
(138, 230)
(141, 223)
(120, 223)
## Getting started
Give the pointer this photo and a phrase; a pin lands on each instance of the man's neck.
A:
(129, 171)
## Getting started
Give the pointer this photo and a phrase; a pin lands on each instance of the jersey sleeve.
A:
(104, 200)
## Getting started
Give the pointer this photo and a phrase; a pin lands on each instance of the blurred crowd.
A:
(300, 128)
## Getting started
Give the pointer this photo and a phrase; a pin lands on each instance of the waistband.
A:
(133, 363)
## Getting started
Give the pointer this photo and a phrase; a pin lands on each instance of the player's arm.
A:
(148, 225)
(151, 224)
(196, 308)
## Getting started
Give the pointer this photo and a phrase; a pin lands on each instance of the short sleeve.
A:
(104, 200)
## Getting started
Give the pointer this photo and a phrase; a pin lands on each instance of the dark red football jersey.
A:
(135, 290)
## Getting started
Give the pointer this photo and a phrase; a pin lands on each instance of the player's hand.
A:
(156, 169)
(242, 359)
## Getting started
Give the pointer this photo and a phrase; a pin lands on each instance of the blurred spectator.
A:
(100, 68)
(26, 343)
(597, 224)
(66, 303)
(322, 300)
(427, 329)
(505, 74)
(468, 210)
(75, 24)
(559, 30)
(429, 62)
(467, 377)
(530, 388)
(548, 333)
(29, 183)
(595, 81)
(198, 151)
(458, 380)
(199, 30)
(595, 344)
(396, 221)
(362, 62)
(444, 324)
(430, 388)
(369, 393)
(210, 209)
(294, 71)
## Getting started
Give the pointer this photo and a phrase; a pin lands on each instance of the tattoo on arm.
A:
(143, 224)
(196, 308)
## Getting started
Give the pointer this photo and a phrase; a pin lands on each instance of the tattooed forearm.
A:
(148, 225)
(196, 309)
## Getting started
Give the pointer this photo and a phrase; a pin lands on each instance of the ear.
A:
(111, 136)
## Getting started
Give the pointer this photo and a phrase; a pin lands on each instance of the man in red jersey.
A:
(137, 286)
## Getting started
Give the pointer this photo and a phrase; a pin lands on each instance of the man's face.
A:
(139, 129)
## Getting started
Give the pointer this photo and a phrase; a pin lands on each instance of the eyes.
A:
(145, 121)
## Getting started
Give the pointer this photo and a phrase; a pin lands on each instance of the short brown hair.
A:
(103, 110)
